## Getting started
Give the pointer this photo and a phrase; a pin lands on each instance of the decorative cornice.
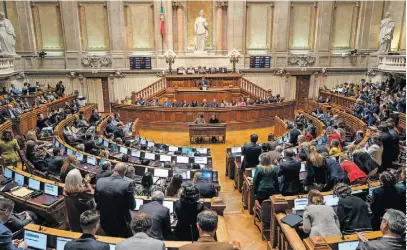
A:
(178, 4)
(96, 61)
(301, 60)
(222, 4)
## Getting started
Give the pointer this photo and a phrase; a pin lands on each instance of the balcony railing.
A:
(6, 65)
(392, 62)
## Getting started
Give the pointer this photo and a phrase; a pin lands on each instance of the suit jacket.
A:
(290, 173)
(102, 174)
(383, 243)
(353, 215)
(206, 189)
(294, 137)
(76, 204)
(86, 242)
(388, 148)
(207, 243)
(251, 152)
(54, 164)
(114, 198)
(161, 219)
(140, 241)
(6, 238)
(187, 216)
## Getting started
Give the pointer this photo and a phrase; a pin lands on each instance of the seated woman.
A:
(69, 164)
(352, 211)
(265, 181)
(147, 187)
(320, 219)
(174, 189)
(186, 210)
(335, 149)
(78, 195)
(355, 175)
(35, 156)
(9, 148)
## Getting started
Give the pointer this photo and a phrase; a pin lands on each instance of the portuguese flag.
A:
(162, 23)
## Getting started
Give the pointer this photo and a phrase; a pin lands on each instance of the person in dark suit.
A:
(352, 211)
(6, 236)
(112, 129)
(293, 134)
(161, 228)
(95, 117)
(206, 189)
(114, 198)
(60, 88)
(251, 153)
(393, 227)
(203, 83)
(207, 225)
(385, 197)
(388, 147)
(8, 113)
(396, 139)
(186, 210)
(55, 162)
(90, 224)
(90, 145)
(106, 171)
(290, 174)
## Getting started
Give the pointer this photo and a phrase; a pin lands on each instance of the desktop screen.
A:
(35, 240)
(182, 159)
(69, 152)
(160, 172)
(142, 142)
(100, 140)
(51, 189)
(19, 179)
(79, 156)
(165, 158)
(207, 175)
(351, 245)
(101, 161)
(202, 150)
(91, 160)
(113, 147)
(105, 144)
(123, 150)
(186, 150)
(253, 172)
(186, 175)
(235, 150)
(135, 153)
(149, 156)
(61, 242)
(139, 202)
(201, 160)
(112, 246)
(172, 148)
(331, 200)
(169, 205)
(280, 141)
(300, 204)
(150, 144)
(8, 173)
(57, 144)
(63, 149)
(33, 184)
(371, 190)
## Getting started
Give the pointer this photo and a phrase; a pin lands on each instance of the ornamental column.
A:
(220, 6)
(179, 6)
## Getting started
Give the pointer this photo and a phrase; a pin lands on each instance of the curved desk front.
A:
(177, 119)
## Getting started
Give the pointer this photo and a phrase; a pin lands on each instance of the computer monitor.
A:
(300, 204)
(91, 160)
(331, 200)
(139, 202)
(186, 150)
(172, 148)
(137, 138)
(350, 245)
(35, 240)
(34, 184)
(201, 160)
(186, 174)
(150, 144)
(112, 246)
(280, 141)
(105, 144)
(63, 149)
(372, 189)
(8, 173)
(285, 138)
(113, 146)
(202, 150)
(69, 152)
(165, 158)
(142, 142)
(61, 242)
(124, 150)
(149, 156)
(100, 140)
(101, 161)
(51, 189)
(183, 159)
(19, 179)
(57, 143)
(135, 153)
(253, 172)
(207, 174)
(169, 205)
(160, 172)
(235, 150)
(79, 156)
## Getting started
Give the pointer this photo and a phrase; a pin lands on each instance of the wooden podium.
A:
(207, 131)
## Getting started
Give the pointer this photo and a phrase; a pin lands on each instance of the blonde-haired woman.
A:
(316, 171)
(320, 219)
(69, 164)
(78, 197)
(265, 181)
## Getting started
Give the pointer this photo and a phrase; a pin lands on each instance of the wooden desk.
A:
(207, 131)
(329, 243)
(191, 94)
(214, 80)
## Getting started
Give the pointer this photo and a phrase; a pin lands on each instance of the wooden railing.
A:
(392, 63)
(150, 90)
(280, 127)
(253, 89)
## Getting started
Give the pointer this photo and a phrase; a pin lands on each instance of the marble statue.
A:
(7, 36)
(386, 33)
(201, 32)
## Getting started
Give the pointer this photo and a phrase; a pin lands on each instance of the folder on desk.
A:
(292, 220)
(49, 200)
(22, 192)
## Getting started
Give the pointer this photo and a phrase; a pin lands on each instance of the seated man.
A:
(204, 103)
(207, 224)
(393, 228)
(206, 189)
(90, 224)
(161, 227)
(6, 237)
(55, 162)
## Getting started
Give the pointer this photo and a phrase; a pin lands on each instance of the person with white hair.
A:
(161, 228)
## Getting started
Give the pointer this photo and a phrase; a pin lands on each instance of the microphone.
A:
(192, 234)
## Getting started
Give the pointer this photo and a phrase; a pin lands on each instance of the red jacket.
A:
(352, 170)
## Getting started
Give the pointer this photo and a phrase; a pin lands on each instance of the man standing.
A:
(115, 198)
(90, 224)
(207, 224)
(161, 227)
(206, 189)
(141, 227)
(294, 133)
(203, 83)
(251, 153)
(290, 174)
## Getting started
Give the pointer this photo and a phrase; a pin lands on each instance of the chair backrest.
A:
(266, 211)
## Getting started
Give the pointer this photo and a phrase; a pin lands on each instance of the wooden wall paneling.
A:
(105, 91)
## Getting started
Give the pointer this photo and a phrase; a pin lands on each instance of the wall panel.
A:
(258, 27)
(94, 26)
(302, 25)
(345, 23)
(139, 20)
(47, 26)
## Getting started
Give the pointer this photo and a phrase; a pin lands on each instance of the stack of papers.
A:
(22, 192)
